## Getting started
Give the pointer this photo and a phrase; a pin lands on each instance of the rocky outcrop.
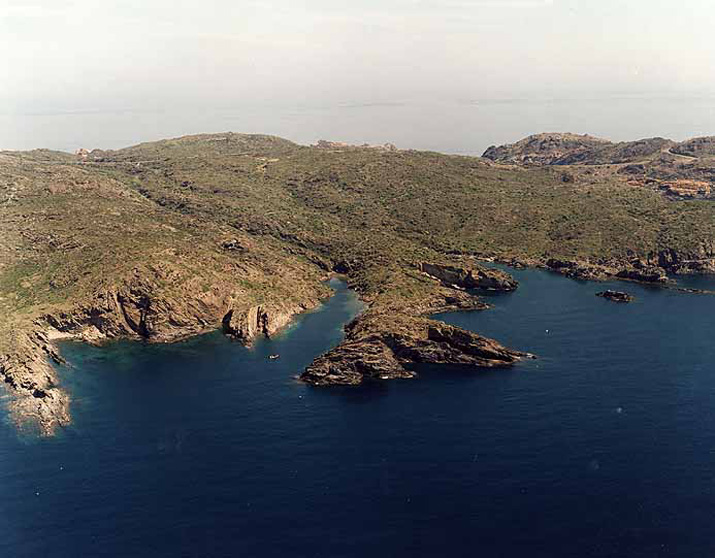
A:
(381, 347)
(138, 309)
(470, 278)
(634, 270)
(578, 270)
(574, 149)
(339, 145)
(615, 296)
(246, 325)
(699, 261)
(696, 147)
(37, 402)
(639, 271)
(543, 149)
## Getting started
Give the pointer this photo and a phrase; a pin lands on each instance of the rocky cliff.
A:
(473, 277)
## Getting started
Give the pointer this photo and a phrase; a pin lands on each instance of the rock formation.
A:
(256, 321)
(638, 271)
(475, 277)
(615, 296)
(379, 347)
(578, 270)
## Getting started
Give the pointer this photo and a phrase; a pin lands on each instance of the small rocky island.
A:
(616, 296)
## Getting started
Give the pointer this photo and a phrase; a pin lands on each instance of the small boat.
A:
(274, 357)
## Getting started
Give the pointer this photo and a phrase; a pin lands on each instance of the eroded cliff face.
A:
(262, 320)
(141, 307)
(471, 277)
(653, 269)
(37, 400)
(701, 260)
(635, 270)
(138, 309)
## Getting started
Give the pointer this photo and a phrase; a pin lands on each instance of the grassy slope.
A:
(163, 210)
(68, 227)
(382, 211)
(370, 203)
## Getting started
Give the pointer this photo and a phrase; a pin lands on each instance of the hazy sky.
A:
(113, 71)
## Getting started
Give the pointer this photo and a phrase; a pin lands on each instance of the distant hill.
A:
(569, 149)
(684, 170)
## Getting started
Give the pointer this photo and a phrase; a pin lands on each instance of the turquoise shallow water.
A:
(605, 446)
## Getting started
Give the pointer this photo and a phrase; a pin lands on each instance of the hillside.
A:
(171, 238)
(684, 170)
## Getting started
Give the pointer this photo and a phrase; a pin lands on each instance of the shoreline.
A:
(52, 402)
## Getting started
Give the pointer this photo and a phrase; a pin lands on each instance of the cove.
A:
(602, 447)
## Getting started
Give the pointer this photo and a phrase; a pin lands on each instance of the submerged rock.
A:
(616, 296)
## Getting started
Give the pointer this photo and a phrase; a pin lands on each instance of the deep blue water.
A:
(603, 447)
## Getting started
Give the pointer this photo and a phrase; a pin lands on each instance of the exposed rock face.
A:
(380, 347)
(679, 171)
(37, 402)
(700, 261)
(578, 270)
(232, 245)
(472, 278)
(696, 147)
(635, 270)
(615, 296)
(136, 309)
(247, 325)
(682, 188)
(643, 272)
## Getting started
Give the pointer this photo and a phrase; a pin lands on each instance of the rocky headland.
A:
(386, 339)
(380, 347)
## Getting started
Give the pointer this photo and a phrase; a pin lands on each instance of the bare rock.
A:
(578, 270)
(476, 277)
(248, 324)
(616, 296)
(639, 271)
(380, 347)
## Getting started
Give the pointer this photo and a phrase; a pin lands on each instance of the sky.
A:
(112, 72)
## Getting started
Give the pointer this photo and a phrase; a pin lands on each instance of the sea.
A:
(604, 446)
(464, 126)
